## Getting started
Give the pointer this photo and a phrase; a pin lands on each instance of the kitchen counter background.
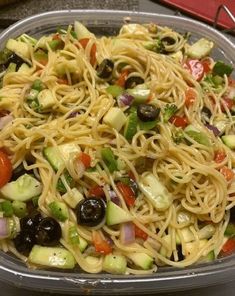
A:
(9, 14)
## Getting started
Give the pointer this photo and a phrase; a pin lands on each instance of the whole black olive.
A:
(48, 232)
(90, 211)
(206, 114)
(232, 215)
(105, 69)
(30, 222)
(147, 112)
(24, 242)
(131, 82)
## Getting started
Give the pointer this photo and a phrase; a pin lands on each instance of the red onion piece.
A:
(73, 114)
(4, 229)
(114, 198)
(124, 100)
(127, 233)
(214, 129)
(5, 120)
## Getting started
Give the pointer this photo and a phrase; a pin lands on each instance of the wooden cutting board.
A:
(205, 10)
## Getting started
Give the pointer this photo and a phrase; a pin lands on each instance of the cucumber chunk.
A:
(142, 260)
(115, 118)
(200, 49)
(156, 193)
(23, 189)
(197, 135)
(229, 140)
(116, 215)
(59, 210)
(59, 156)
(52, 257)
(115, 264)
(18, 47)
(19, 208)
(73, 197)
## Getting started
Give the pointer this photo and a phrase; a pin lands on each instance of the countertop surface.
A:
(24, 8)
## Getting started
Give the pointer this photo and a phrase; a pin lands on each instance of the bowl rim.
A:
(219, 271)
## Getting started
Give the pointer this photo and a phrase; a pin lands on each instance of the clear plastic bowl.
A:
(15, 272)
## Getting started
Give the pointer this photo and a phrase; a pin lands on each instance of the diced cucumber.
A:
(131, 126)
(52, 257)
(142, 260)
(229, 140)
(163, 250)
(183, 217)
(140, 95)
(206, 232)
(46, 100)
(187, 234)
(230, 230)
(59, 156)
(73, 197)
(18, 47)
(81, 31)
(200, 49)
(115, 264)
(197, 135)
(70, 66)
(156, 193)
(115, 90)
(23, 189)
(19, 208)
(76, 239)
(24, 68)
(59, 210)
(116, 215)
(115, 118)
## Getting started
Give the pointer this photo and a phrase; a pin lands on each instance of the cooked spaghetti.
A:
(117, 152)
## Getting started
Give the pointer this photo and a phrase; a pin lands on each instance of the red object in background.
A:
(206, 10)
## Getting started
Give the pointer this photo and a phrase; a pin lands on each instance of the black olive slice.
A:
(147, 112)
(105, 69)
(132, 81)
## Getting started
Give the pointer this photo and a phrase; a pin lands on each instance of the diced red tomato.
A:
(96, 191)
(229, 247)
(127, 193)
(140, 233)
(190, 97)
(227, 173)
(219, 156)
(5, 168)
(62, 81)
(229, 103)
(179, 121)
(85, 159)
(100, 243)
(122, 78)
(84, 43)
(195, 67)
(206, 65)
